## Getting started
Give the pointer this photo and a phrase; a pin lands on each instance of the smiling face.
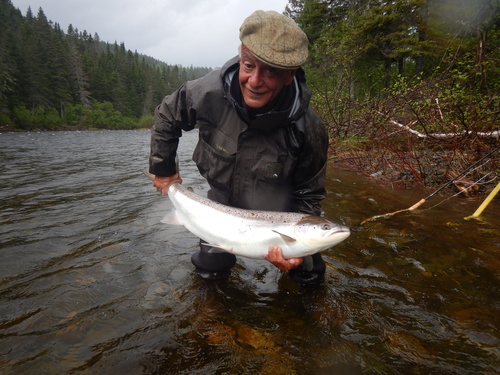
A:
(261, 83)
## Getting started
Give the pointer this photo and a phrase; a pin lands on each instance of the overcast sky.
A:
(185, 32)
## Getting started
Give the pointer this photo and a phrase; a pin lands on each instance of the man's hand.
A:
(275, 256)
(163, 183)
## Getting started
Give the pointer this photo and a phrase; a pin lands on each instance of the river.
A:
(93, 283)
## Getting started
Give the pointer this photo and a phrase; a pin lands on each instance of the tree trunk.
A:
(422, 37)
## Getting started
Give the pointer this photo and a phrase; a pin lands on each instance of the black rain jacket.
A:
(274, 161)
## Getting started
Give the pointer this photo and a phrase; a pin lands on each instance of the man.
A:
(260, 145)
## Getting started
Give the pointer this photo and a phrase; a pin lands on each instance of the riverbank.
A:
(426, 168)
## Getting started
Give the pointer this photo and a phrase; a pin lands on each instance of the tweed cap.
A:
(274, 39)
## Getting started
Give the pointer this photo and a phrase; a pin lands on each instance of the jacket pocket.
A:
(271, 190)
(270, 172)
(215, 164)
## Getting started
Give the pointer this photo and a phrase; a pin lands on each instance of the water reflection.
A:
(92, 282)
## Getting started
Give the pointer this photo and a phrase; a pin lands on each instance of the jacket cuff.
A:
(161, 167)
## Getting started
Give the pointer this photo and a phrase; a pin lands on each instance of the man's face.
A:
(260, 83)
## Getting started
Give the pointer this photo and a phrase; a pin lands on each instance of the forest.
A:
(408, 89)
(52, 79)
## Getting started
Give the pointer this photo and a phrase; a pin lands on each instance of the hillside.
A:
(52, 78)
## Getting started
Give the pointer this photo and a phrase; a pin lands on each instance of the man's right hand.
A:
(275, 256)
(163, 183)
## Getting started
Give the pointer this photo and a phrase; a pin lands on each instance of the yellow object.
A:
(487, 201)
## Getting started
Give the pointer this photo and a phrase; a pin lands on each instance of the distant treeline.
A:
(53, 79)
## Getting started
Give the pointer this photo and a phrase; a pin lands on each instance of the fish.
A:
(249, 233)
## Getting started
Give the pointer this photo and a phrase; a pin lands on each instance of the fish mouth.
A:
(335, 236)
(341, 230)
(344, 234)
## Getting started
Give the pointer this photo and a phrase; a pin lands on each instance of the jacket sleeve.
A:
(174, 114)
(310, 172)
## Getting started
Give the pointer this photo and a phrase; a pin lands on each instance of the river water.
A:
(93, 283)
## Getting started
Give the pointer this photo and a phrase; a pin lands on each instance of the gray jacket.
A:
(272, 161)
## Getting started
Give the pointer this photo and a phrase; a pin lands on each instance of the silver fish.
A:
(249, 233)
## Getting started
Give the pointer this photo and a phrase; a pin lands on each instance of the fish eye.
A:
(326, 227)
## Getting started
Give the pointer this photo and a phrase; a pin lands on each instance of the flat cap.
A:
(274, 39)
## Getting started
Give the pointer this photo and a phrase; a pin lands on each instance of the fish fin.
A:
(285, 237)
(307, 264)
(214, 248)
(172, 218)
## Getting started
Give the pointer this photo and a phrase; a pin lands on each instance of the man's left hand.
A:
(275, 256)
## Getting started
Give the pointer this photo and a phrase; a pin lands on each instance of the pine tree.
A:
(48, 77)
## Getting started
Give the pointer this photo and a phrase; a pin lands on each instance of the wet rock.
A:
(254, 338)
